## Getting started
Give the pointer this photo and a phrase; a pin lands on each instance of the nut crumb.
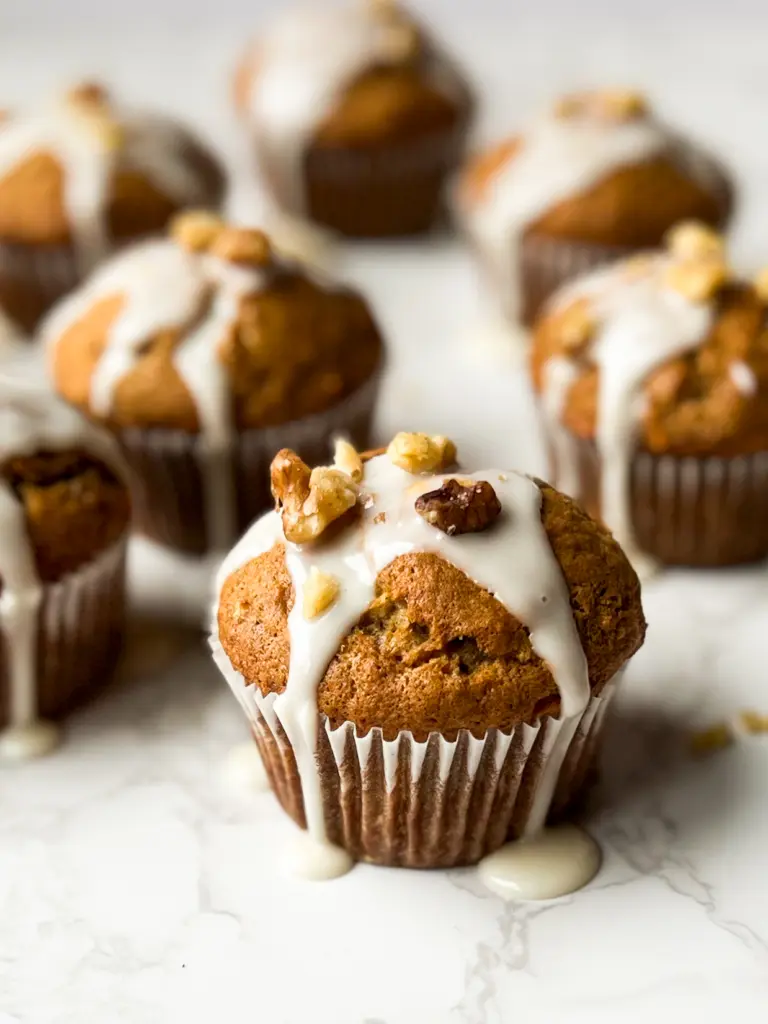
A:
(196, 230)
(309, 501)
(708, 741)
(697, 280)
(320, 591)
(380, 517)
(247, 246)
(458, 508)
(691, 240)
(420, 453)
(611, 104)
(347, 459)
(753, 722)
(577, 326)
(760, 283)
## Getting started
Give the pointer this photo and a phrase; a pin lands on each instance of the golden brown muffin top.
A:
(628, 178)
(432, 650)
(66, 476)
(390, 84)
(210, 313)
(129, 173)
(706, 393)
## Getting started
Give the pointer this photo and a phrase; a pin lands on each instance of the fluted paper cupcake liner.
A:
(397, 190)
(696, 511)
(80, 633)
(33, 278)
(436, 803)
(175, 479)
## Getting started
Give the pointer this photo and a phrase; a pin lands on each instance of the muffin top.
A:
(394, 594)
(600, 169)
(359, 76)
(62, 497)
(84, 172)
(668, 350)
(207, 331)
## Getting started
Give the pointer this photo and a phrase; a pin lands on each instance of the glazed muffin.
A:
(595, 180)
(653, 379)
(356, 118)
(202, 352)
(455, 672)
(80, 177)
(64, 512)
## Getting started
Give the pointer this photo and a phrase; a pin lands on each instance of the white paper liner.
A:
(436, 803)
(81, 625)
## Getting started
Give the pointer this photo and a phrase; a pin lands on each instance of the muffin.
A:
(653, 379)
(356, 118)
(203, 352)
(10, 337)
(595, 180)
(64, 512)
(425, 657)
(80, 177)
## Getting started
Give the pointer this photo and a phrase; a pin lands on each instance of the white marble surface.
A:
(137, 885)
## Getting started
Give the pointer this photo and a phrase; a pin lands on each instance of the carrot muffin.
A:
(64, 513)
(356, 116)
(81, 176)
(653, 379)
(202, 352)
(425, 656)
(593, 181)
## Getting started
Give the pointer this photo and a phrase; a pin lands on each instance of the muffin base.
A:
(80, 634)
(433, 804)
(373, 193)
(701, 512)
(169, 470)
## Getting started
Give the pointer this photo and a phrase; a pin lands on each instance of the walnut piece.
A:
(760, 284)
(698, 280)
(309, 501)
(691, 240)
(708, 741)
(611, 104)
(196, 230)
(247, 246)
(347, 459)
(753, 722)
(460, 507)
(420, 453)
(577, 326)
(320, 591)
(89, 94)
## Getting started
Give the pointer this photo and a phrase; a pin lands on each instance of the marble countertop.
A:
(140, 883)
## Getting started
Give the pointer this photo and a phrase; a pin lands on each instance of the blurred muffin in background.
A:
(592, 181)
(653, 382)
(64, 512)
(81, 176)
(356, 116)
(204, 352)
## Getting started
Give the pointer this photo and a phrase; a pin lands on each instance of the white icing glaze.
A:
(552, 863)
(302, 67)
(514, 561)
(11, 344)
(559, 157)
(86, 144)
(743, 378)
(164, 287)
(641, 323)
(31, 420)
(317, 860)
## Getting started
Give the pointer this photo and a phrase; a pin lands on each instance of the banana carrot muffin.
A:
(64, 512)
(356, 116)
(80, 176)
(594, 180)
(202, 352)
(653, 380)
(425, 655)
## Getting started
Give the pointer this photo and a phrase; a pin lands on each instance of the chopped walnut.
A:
(89, 94)
(761, 285)
(347, 459)
(577, 326)
(196, 230)
(753, 722)
(460, 508)
(698, 280)
(612, 104)
(309, 501)
(420, 453)
(707, 741)
(248, 246)
(320, 591)
(401, 41)
(691, 240)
